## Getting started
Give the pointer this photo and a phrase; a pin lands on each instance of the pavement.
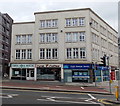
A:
(101, 88)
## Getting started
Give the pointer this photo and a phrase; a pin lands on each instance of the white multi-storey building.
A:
(63, 45)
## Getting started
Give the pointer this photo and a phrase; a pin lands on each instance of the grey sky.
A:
(23, 10)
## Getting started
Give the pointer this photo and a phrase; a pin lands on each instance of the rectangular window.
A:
(48, 53)
(74, 22)
(23, 54)
(75, 37)
(42, 37)
(75, 52)
(17, 54)
(54, 23)
(42, 23)
(69, 53)
(82, 53)
(42, 53)
(68, 37)
(29, 53)
(68, 22)
(48, 37)
(54, 54)
(18, 39)
(82, 36)
(23, 39)
(48, 23)
(29, 39)
(53, 37)
(81, 21)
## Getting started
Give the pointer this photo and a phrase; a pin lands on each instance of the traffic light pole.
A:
(95, 72)
(108, 59)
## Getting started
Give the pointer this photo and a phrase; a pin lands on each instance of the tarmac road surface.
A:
(10, 96)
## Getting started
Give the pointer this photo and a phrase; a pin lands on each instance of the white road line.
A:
(64, 101)
(55, 97)
(51, 98)
(91, 96)
(82, 88)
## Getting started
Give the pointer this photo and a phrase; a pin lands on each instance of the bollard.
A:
(117, 92)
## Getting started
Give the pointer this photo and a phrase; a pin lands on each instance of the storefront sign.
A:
(75, 76)
(102, 68)
(76, 66)
(22, 65)
(48, 65)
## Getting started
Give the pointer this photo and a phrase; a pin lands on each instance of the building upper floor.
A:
(65, 35)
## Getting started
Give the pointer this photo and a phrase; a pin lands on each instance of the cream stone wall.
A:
(20, 29)
(34, 28)
(62, 45)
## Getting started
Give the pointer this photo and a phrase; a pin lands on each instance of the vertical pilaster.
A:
(35, 74)
(10, 75)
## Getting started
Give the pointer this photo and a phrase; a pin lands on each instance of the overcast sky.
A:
(23, 10)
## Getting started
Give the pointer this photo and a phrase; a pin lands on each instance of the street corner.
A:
(107, 102)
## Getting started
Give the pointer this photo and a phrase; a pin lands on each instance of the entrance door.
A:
(30, 74)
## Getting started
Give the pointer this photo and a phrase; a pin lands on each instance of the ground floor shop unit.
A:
(61, 72)
(35, 72)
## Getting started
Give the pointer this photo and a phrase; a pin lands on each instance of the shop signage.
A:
(48, 65)
(22, 65)
(76, 66)
(81, 76)
(102, 68)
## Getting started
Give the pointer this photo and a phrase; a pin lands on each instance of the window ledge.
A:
(74, 26)
(48, 28)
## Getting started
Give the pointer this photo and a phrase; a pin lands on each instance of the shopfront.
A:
(102, 74)
(22, 71)
(77, 72)
(48, 72)
(114, 73)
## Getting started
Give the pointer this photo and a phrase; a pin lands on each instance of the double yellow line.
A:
(103, 101)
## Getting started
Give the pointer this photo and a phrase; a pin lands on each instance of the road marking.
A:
(82, 88)
(47, 91)
(64, 101)
(102, 101)
(7, 95)
(91, 96)
(51, 98)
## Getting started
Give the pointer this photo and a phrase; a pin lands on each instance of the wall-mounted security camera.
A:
(61, 30)
(90, 23)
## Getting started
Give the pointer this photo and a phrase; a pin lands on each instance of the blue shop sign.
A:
(102, 68)
(76, 66)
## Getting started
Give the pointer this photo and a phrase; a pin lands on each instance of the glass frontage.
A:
(48, 73)
(19, 74)
(80, 75)
(105, 75)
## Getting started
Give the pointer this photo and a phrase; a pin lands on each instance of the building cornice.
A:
(76, 10)
(32, 22)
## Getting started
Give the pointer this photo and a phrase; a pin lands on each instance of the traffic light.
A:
(103, 60)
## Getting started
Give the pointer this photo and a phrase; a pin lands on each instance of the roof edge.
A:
(24, 22)
(62, 11)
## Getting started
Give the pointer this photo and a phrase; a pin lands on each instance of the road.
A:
(10, 96)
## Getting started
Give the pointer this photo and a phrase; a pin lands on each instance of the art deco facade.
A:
(63, 45)
(5, 42)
